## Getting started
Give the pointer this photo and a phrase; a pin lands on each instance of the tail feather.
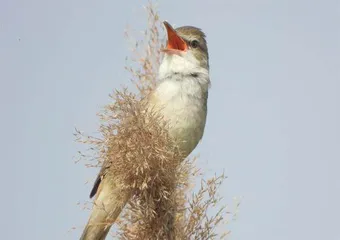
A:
(95, 233)
(106, 209)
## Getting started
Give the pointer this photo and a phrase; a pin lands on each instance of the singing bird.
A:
(181, 98)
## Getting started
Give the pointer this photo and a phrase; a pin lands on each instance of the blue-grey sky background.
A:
(273, 121)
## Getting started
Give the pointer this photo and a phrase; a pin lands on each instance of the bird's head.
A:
(186, 51)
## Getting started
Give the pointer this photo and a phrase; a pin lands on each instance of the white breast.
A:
(182, 102)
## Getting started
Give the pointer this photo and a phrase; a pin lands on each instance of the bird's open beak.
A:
(176, 44)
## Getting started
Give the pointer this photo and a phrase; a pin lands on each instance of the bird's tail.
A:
(106, 209)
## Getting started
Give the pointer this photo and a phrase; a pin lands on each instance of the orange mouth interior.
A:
(175, 42)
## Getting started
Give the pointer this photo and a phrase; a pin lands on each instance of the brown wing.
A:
(95, 186)
(106, 165)
(99, 178)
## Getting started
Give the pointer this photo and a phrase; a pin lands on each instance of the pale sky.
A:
(273, 118)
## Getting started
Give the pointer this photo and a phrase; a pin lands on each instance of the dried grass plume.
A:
(145, 161)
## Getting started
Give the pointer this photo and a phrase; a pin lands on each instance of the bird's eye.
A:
(194, 43)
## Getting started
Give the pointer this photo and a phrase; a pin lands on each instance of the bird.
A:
(180, 96)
